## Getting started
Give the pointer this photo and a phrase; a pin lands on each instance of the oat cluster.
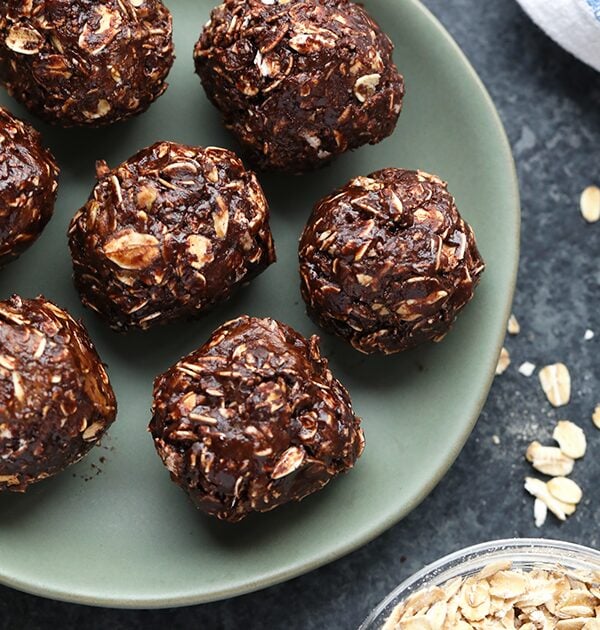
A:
(28, 185)
(168, 234)
(501, 597)
(55, 397)
(504, 362)
(253, 419)
(387, 262)
(82, 62)
(299, 81)
(560, 495)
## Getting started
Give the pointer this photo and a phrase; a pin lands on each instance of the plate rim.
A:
(302, 567)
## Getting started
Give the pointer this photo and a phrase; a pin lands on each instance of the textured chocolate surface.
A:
(253, 419)
(299, 81)
(28, 185)
(81, 62)
(55, 397)
(168, 234)
(387, 262)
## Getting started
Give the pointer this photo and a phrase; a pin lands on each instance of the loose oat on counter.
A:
(55, 397)
(556, 383)
(85, 63)
(560, 495)
(540, 512)
(387, 262)
(169, 233)
(527, 368)
(565, 490)
(542, 492)
(514, 328)
(505, 598)
(503, 362)
(596, 417)
(549, 460)
(299, 81)
(571, 439)
(590, 204)
(253, 419)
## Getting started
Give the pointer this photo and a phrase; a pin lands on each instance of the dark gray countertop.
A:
(550, 104)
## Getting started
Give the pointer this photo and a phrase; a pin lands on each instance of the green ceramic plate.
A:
(114, 530)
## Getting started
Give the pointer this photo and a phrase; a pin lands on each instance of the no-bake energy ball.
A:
(55, 397)
(168, 234)
(387, 262)
(299, 81)
(28, 184)
(83, 62)
(253, 419)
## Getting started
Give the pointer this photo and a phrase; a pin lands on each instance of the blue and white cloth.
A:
(574, 24)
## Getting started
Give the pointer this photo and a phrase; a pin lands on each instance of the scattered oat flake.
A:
(514, 328)
(565, 490)
(549, 460)
(596, 417)
(526, 368)
(556, 383)
(589, 335)
(504, 597)
(570, 438)
(503, 362)
(540, 512)
(590, 204)
(495, 439)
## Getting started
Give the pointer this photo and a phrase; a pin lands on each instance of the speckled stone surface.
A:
(550, 104)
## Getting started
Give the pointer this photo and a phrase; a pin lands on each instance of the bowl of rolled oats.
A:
(523, 583)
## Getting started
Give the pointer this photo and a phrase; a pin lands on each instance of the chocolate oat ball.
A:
(168, 234)
(387, 262)
(299, 81)
(83, 62)
(253, 419)
(55, 397)
(28, 185)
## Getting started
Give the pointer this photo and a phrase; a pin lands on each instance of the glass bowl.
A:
(524, 553)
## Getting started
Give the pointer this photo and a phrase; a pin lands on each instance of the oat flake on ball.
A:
(253, 419)
(28, 185)
(83, 62)
(387, 262)
(55, 397)
(168, 234)
(299, 81)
